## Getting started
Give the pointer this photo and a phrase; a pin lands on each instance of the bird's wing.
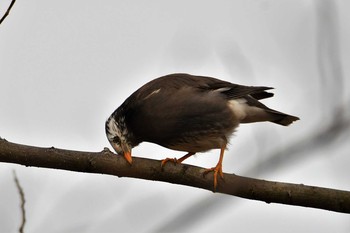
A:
(202, 83)
(235, 91)
(169, 116)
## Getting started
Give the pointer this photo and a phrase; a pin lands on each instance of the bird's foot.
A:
(217, 170)
(173, 160)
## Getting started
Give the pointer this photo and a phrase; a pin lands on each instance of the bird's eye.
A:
(116, 140)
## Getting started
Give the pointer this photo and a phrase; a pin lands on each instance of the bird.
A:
(188, 113)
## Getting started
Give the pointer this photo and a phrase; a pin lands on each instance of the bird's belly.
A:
(198, 145)
(200, 141)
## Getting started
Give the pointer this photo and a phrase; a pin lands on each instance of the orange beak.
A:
(127, 156)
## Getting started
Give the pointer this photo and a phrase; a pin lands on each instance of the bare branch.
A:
(23, 201)
(106, 162)
(8, 11)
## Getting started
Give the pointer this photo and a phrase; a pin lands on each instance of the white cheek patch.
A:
(114, 130)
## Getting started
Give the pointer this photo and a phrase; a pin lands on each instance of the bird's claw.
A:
(164, 161)
(217, 170)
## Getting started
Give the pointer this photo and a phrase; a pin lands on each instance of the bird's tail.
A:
(255, 111)
(254, 114)
(281, 118)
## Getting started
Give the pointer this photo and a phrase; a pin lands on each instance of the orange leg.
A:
(218, 168)
(175, 160)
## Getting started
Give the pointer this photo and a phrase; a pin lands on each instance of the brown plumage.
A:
(188, 113)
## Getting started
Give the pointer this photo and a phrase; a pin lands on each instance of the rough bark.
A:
(106, 162)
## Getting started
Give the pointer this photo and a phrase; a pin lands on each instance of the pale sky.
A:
(65, 66)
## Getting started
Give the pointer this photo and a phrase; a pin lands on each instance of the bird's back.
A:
(180, 109)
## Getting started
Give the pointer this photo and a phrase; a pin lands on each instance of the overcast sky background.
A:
(65, 66)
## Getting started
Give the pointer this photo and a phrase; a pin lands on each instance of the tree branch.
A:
(8, 11)
(23, 201)
(105, 162)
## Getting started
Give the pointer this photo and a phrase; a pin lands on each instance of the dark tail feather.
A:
(262, 95)
(282, 118)
(258, 112)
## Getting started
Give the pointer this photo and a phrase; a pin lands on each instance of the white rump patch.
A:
(239, 107)
(246, 113)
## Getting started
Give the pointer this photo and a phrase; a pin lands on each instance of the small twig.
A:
(8, 11)
(23, 201)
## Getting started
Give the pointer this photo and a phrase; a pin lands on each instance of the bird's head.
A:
(117, 135)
